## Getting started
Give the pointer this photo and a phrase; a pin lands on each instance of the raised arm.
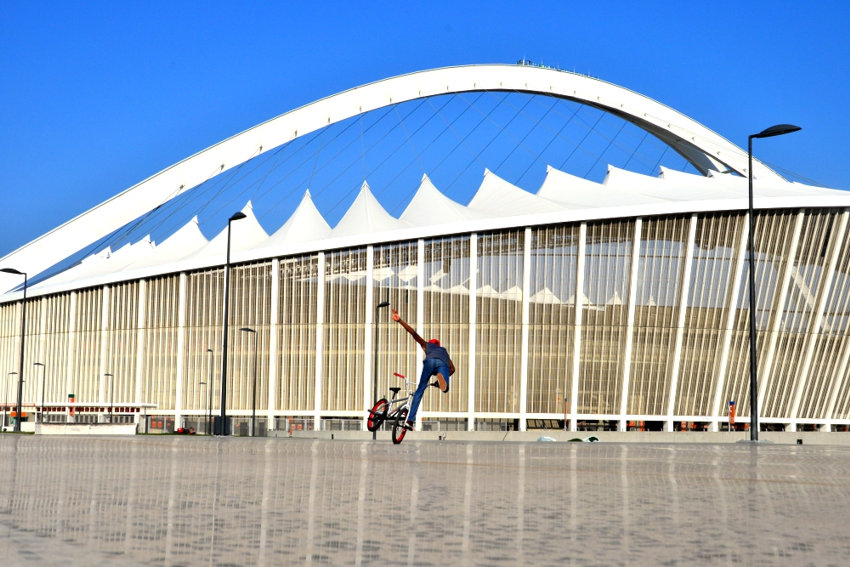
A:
(409, 329)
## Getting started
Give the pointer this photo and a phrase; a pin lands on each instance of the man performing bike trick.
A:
(437, 363)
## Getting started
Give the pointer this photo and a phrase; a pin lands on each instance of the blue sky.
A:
(97, 96)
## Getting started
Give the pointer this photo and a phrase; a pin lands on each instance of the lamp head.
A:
(777, 130)
(237, 216)
(12, 271)
(383, 304)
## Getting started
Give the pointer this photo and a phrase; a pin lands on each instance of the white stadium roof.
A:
(496, 204)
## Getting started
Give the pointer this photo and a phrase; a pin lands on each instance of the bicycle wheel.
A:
(398, 426)
(377, 415)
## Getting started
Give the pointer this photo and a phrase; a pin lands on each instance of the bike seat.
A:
(395, 391)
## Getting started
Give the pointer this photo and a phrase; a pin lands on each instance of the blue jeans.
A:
(431, 367)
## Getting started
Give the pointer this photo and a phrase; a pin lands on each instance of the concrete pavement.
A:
(189, 500)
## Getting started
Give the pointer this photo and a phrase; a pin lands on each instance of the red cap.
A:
(435, 342)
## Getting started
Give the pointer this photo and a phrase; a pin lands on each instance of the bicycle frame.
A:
(403, 400)
(394, 410)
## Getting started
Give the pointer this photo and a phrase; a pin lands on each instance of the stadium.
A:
(579, 282)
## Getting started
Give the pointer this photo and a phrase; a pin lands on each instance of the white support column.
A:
(630, 324)
(684, 292)
(369, 331)
(72, 344)
(181, 351)
(420, 314)
(104, 349)
(473, 319)
(274, 359)
(140, 345)
(817, 318)
(580, 262)
(526, 297)
(778, 314)
(835, 390)
(41, 384)
(731, 311)
(42, 334)
(320, 331)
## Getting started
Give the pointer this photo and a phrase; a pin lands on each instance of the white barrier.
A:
(85, 428)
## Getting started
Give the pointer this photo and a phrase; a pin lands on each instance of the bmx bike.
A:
(383, 410)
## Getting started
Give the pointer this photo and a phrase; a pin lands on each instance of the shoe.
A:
(437, 385)
(409, 425)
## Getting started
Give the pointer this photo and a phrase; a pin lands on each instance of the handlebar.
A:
(397, 375)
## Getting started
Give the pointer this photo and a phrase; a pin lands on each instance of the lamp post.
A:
(43, 380)
(208, 428)
(21, 361)
(222, 427)
(777, 130)
(6, 400)
(111, 395)
(378, 307)
(202, 383)
(254, 388)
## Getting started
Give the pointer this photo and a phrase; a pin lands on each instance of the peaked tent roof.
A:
(245, 234)
(498, 197)
(366, 215)
(105, 261)
(567, 189)
(667, 189)
(429, 207)
(305, 224)
(180, 244)
(584, 194)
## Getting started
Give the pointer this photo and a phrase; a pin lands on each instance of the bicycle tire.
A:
(377, 415)
(399, 430)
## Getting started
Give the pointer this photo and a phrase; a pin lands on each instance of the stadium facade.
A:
(619, 304)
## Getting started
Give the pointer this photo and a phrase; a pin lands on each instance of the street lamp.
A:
(208, 428)
(21, 361)
(254, 389)
(777, 130)
(222, 428)
(6, 400)
(202, 383)
(378, 307)
(43, 381)
(111, 396)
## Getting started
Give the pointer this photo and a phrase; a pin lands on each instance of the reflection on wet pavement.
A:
(204, 501)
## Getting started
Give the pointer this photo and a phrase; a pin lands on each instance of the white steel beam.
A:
(320, 330)
(526, 297)
(778, 313)
(72, 344)
(731, 311)
(684, 292)
(420, 314)
(576, 370)
(630, 324)
(140, 343)
(473, 318)
(814, 329)
(368, 332)
(181, 351)
(104, 342)
(838, 379)
(274, 330)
